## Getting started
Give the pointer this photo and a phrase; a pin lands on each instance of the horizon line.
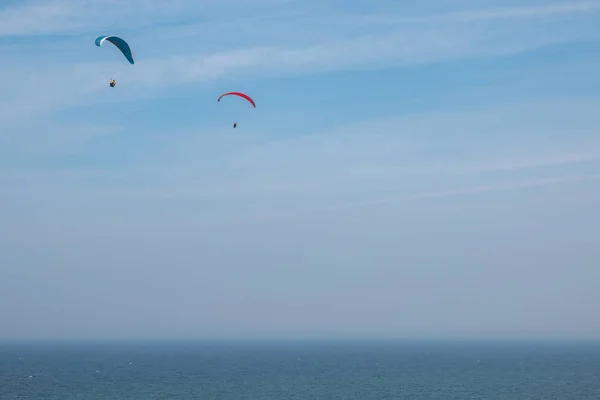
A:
(298, 340)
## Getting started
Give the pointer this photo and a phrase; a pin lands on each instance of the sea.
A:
(300, 370)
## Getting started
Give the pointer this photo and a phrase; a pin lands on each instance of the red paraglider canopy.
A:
(245, 96)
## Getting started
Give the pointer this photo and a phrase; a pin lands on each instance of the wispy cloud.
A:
(167, 64)
(28, 18)
(350, 153)
(464, 191)
(358, 165)
(497, 13)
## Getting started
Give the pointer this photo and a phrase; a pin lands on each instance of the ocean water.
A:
(300, 371)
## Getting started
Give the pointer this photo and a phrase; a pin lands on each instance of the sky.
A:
(423, 169)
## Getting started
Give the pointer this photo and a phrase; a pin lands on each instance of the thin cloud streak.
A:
(296, 26)
(351, 160)
(465, 191)
(262, 188)
(490, 14)
(299, 212)
(79, 16)
(71, 17)
(31, 90)
(153, 76)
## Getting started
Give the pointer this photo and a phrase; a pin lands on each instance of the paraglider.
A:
(239, 94)
(120, 44)
(242, 95)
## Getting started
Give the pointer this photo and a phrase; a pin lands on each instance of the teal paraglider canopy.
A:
(119, 43)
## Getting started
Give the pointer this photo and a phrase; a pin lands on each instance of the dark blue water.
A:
(300, 370)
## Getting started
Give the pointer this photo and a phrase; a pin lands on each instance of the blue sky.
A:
(412, 169)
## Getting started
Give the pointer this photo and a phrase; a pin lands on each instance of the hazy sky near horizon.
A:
(412, 169)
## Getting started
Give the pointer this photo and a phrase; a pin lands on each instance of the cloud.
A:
(498, 13)
(245, 179)
(29, 18)
(167, 62)
(464, 191)
(329, 160)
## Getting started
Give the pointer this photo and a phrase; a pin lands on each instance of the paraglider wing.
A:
(119, 43)
(245, 96)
